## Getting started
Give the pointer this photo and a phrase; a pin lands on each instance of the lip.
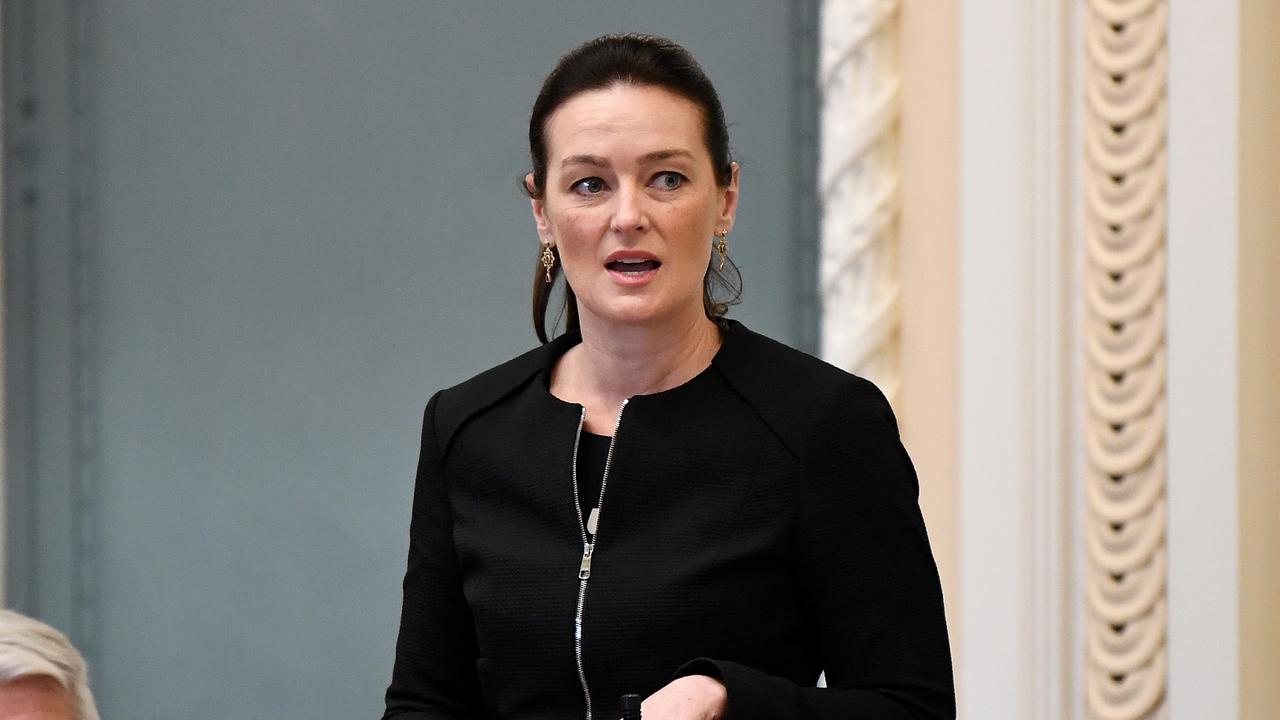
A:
(631, 279)
(617, 255)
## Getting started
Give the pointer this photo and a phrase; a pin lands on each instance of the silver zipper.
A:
(588, 546)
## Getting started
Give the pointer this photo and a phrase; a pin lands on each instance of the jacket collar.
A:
(738, 360)
(735, 340)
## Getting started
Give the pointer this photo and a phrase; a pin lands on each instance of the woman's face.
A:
(631, 203)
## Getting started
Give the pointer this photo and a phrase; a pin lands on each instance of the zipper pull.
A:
(584, 570)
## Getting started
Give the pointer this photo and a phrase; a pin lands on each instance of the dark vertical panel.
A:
(20, 107)
(806, 212)
(84, 270)
(44, 356)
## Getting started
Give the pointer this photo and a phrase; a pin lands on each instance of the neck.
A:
(615, 362)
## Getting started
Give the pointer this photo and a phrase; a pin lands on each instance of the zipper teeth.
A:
(577, 504)
(582, 584)
(582, 528)
(577, 644)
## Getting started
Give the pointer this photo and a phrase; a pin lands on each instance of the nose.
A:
(628, 212)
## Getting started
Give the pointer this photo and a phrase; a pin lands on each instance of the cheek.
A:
(578, 236)
(698, 258)
(692, 228)
(698, 214)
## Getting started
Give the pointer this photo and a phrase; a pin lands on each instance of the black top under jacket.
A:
(760, 525)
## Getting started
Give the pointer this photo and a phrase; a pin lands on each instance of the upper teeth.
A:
(632, 260)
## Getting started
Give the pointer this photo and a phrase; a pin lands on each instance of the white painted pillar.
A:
(1017, 453)
(1204, 53)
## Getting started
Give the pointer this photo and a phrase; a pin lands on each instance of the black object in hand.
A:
(630, 707)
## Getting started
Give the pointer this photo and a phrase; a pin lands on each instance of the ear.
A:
(539, 212)
(729, 200)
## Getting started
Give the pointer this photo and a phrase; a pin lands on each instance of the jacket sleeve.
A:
(868, 580)
(435, 674)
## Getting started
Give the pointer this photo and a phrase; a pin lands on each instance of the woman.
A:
(761, 523)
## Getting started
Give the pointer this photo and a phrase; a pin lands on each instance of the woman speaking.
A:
(659, 500)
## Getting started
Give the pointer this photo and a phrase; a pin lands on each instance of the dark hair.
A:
(631, 59)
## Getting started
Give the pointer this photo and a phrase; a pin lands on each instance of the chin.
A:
(631, 316)
(632, 311)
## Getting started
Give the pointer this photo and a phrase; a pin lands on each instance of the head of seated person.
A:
(42, 676)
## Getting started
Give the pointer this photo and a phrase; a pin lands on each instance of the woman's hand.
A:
(693, 697)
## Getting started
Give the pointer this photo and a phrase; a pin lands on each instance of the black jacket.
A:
(760, 525)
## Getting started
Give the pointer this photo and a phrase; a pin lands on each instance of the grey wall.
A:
(244, 243)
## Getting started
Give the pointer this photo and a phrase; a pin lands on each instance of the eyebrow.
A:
(655, 156)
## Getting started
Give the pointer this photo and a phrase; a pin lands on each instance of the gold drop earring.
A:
(548, 261)
(722, 246)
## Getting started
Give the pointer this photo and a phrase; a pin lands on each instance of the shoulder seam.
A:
(461, 402)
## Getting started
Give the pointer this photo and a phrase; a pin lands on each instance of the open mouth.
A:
(635, 266)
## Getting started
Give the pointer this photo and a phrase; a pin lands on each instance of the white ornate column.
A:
(858, 182)
(1125, 228)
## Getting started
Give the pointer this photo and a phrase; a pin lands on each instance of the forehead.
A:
(35, 697)
(624, 120)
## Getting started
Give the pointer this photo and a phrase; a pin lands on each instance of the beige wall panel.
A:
(929, 269)
(1259, 360)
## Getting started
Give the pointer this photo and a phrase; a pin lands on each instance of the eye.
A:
(668, 180)
(588, 186)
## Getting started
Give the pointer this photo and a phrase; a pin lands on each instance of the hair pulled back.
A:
(630, 59)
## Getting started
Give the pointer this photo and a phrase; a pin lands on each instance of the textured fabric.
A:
(593, 453)
(760, 525)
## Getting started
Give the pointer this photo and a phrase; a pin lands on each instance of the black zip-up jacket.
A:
(760, 525)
